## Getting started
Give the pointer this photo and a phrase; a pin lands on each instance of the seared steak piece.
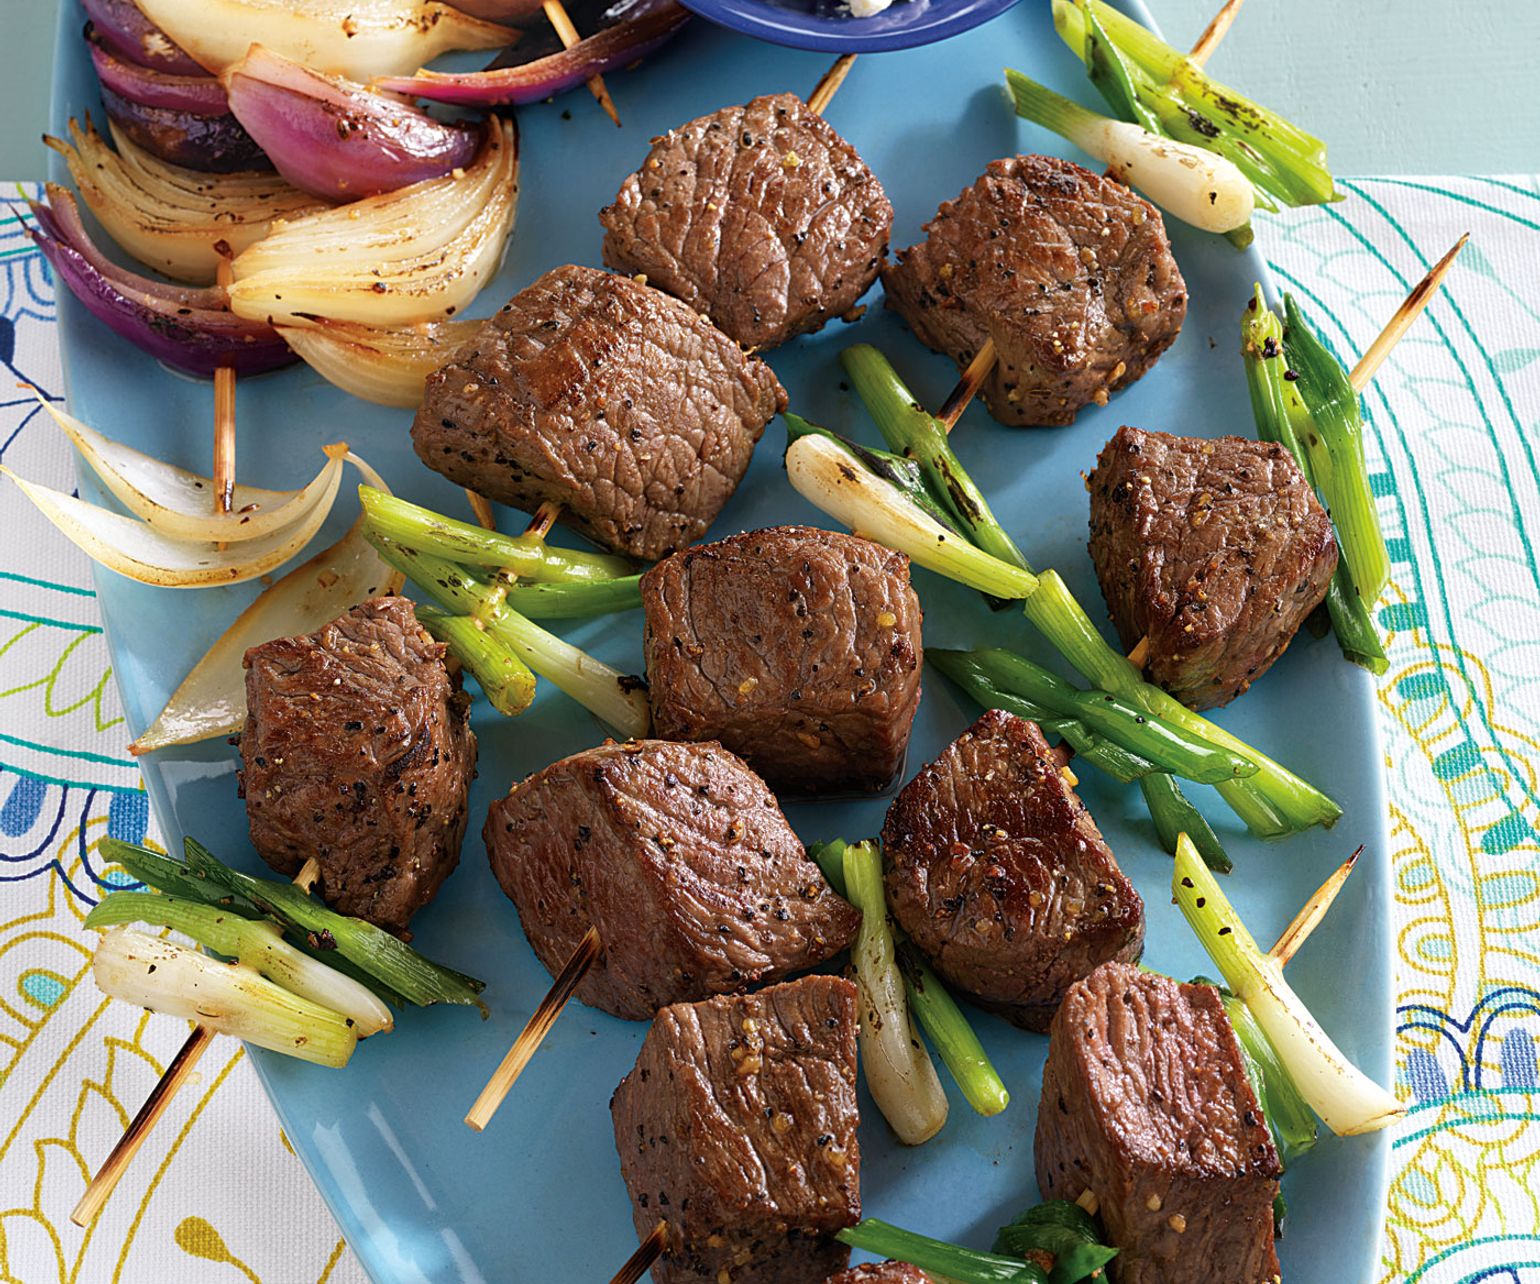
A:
(679, 855)
(357, 751)
(760, 216)
(795, 647)
(1069, 273)
(1147, 1105)
(881, 1273)
(1214, 550)
(738, 1125)
(621, 404)
(999, 874)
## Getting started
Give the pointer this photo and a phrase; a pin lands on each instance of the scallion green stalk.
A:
(576, 601)
(1065, 1231)
(527, 556)
(1174, 815)
(916, 434)
(1347, 1100)
(938, 1257)
(506, 679)
(229, 998)
(1288, 1116)
(257, 943)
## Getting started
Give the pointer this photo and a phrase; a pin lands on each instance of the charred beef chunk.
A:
(1069, 273)
(1146, 1104)
(760, 216)
(621, 404)
(357, 751)
(795, 647)
(679, 855)
(999, 874)
(738, 1125)
(881, 1273)
(1214, 550)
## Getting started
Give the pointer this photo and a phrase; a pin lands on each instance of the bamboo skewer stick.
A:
(1411, 308)
(968, 386)
(1215, 31)
(482, 507)
(224, 415)
(1314, 910)
(534, 1032)
(828, 84)
(647, 1252)
(170, 1083)
(556, 14)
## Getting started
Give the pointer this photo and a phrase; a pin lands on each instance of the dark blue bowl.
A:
(828, 25)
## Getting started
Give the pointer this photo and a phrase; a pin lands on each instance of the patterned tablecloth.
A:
(217, 1195)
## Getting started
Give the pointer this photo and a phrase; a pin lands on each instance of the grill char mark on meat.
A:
(1146, 1104)
(1214, 550)
(357, 751)
(760, 216)
(738, 1125)
(1069, 273)
(998, 873)
(614, 400)
(795, 647)
(679, 855)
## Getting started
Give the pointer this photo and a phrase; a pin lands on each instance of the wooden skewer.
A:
(1308, 918)
(482, 507)
(968, 386)
(647, 1252)
(1215, 31)
(828, 84)
(1411, 308)
(556, 14)
(1140, 655)
(1087, 1200)
(224, 415)
(545, 517)
(176, 1074)
(533, 1034)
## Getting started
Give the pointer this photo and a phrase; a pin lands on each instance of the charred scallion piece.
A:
(1064, 1230)
(938, 1257)
(1175, 815)
(506, 679)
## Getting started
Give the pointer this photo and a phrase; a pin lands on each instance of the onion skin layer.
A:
(609, 50)
(212, 144)
(123, 27)
(336, 138)
(200, 93)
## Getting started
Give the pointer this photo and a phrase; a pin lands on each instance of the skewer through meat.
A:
(358, 751)
(680, 857)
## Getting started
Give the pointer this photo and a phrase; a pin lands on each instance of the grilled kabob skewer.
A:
(224, 414)
(647, 1252)
(171, 1081)
(556, 14)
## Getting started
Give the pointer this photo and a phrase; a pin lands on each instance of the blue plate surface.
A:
(829, 26)
(539, 1197)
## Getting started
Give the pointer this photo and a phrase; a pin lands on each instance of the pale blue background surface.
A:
(1396, 86)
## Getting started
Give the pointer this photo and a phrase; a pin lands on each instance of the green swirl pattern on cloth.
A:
(1455, 451)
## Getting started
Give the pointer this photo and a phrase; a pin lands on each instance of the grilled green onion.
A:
(1065, 1231)
(1175, 815)
(936, 1256)
(506, 679)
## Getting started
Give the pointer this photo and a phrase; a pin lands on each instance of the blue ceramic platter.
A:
(538, 1197)
(827, 25)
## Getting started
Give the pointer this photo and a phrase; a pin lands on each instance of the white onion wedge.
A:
(379, 364)
(355, 38)
(175, 501)
(230, 998)
(167, 217)
(1348, 1101)
(420, 253)
(133, 548)
(211, 700)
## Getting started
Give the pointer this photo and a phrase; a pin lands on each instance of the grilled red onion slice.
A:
(201, 94)
(335, 137)
(131, 35)
(190, 329)
(213, 144)
(644, 26)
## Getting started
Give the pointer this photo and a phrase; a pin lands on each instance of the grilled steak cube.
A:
(738, 1125)
(760, 216)
(679, 855)
(1214, 550)
(795, 647)
(1146, 1104)
(881, 1273)
(357, 751)
(1069, 273)
(621, 404)
(998, 873)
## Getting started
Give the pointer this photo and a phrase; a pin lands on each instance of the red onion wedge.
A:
(337, 138)
(645, 26)
(189, 329)
(200, 93)
(123, 26)
(209, 144)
